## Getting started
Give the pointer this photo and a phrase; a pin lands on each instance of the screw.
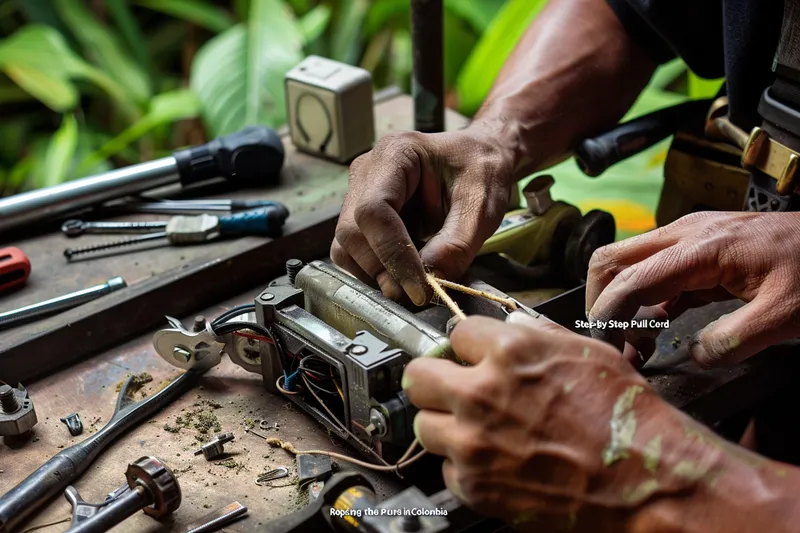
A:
(267, 296)
(199, 323)
(69, 253)
(357, 349)
(181, 354)
(410, 523)
(293, 266)
(8, 399)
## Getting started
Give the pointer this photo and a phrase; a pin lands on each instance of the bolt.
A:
(8, 399)
(410, 523)
(199, 323)
(181, 354)
(293, 266)
(378, 422)
(357, 349)
(267, 296)
(537, 194)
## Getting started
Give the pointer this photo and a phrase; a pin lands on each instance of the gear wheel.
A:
(157, 477)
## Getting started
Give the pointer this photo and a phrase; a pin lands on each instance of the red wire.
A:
(251, 336)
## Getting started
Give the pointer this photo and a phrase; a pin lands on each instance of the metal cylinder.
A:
(427, 41)
(62, 303)
(35, 206)
(8, 399)
(125, 506)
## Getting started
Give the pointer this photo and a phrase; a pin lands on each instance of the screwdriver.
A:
(180, 230)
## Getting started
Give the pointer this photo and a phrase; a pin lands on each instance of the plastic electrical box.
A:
(329, 109)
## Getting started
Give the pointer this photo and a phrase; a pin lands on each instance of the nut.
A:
(20, 421)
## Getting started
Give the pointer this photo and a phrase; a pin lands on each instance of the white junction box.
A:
(329, 108)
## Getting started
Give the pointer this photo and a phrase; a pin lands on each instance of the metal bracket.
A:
(200, 350)
(73, 423)
(81, 509)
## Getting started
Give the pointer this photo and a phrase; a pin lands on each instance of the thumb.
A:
(474, 215)
(750, 329)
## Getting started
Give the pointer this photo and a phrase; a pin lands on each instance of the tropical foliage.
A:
(86, 85)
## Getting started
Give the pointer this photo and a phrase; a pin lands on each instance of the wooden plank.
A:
(170, 280)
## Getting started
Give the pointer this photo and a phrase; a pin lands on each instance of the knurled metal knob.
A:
(160, 481)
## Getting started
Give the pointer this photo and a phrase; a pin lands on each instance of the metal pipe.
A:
(123, 507)
(61, 303)
(427, 42)
(49, 202)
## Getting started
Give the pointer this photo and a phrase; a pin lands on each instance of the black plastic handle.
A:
(596, 155)
(252, 154)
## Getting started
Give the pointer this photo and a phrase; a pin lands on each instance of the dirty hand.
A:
(454, 186)
(703, 257)
(547, 426)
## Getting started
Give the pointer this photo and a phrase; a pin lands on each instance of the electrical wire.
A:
(232, 312)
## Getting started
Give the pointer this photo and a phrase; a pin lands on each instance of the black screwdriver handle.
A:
(596, 155)
(254, 154)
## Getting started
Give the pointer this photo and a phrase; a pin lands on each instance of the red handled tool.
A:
(15, 267)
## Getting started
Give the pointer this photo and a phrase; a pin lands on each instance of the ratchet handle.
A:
(594, 156)
(252, 154)
(265, 221)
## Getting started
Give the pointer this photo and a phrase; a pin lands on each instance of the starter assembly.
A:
(331, 344)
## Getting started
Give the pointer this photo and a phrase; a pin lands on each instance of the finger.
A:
(435, 431)
(341, 258)
(478, 337)
(353, 242)
(450, 477)
(660, 277)
(474, 215)
(430, 383)
(765, 321)
(608, 261)
(391, 183)
(538, 323)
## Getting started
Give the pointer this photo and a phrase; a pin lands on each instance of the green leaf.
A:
(241, 8)
(402, 63)
(488, 56)
(346, 33)
(41, 12)
(58, 94)
(666, 74)
(703, 88)
(165, 108)
(200, 12)
(479, 13)
(134, 38)
(313, 24)
(60, 151)
(458, 41)
(238, 75)
(40, 62)
(102, 45)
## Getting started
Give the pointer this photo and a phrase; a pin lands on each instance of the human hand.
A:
(704, 257)
(548, 425)
(454, 186)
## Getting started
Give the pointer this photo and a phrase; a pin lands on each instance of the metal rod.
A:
(427, 42)
(50, 202)
(226, 515)
(125, 506)
(62, 303)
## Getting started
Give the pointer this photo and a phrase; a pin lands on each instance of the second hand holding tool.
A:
(181, 230)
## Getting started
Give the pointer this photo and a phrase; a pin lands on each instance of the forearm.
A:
(574, 73)
(730, 489)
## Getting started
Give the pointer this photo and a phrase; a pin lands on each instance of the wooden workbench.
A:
(97, 345)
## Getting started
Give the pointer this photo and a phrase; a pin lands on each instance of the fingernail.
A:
(415, 291)
(415, 425)
(405, 381)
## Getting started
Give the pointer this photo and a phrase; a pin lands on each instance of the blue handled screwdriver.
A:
(180, 230)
